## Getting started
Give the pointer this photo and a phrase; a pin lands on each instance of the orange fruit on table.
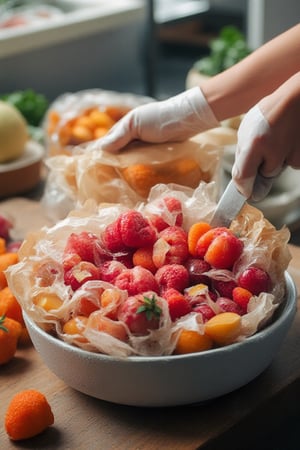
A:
(10, 331)
(9, 305)
(6, 260)
(28, 415)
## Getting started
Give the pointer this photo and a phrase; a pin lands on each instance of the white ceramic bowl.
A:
(166, 381)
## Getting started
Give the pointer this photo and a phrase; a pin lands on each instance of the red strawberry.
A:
(140, 313)
(241, 296)
(224, 250)
(80, 274)
(169, 213)
(110, 270)
(172, 276)
(224, 288)
(178, 304)
(255, 280)
(83, 244)
(228, 305)
(206, 311)
(135, 230)
(136, 280)
(196, 267)
(176, 238)
(112, 238)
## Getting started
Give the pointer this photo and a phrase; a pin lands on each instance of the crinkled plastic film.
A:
(41, 256)
(127, 177)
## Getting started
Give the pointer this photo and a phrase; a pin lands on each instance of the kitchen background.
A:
(139, 46)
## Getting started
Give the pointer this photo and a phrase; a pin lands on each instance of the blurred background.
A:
(139, 46)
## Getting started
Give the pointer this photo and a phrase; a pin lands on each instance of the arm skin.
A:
(236, 90)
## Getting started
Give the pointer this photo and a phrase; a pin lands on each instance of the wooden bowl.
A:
(23, 174)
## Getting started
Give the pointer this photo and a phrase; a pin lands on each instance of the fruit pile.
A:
(147, 281)
(91, 123)
(13, 332)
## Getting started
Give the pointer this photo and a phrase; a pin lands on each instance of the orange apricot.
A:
(10, 331)
(6, 260)
(76, 325)
(48, 301)
(27, 415)
(143, 257)
(191, 341)
(9, 305)
(197, 230)
(2, 245)
(101, 119)
(223, 328)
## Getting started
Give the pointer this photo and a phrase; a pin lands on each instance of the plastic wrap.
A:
(75, 118)
(127, 177)
(41, 271)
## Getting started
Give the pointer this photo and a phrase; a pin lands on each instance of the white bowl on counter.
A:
(167, 380)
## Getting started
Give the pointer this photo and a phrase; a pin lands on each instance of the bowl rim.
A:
(289, 308)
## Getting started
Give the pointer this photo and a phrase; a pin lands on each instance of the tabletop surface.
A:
(82, 422)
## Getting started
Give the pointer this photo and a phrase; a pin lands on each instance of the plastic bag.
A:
(80, 117)
(127, 177)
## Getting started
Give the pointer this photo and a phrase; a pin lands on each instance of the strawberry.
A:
(80, 274)
(136, 280)
(241, 296)
(109, 270)
(87, 246)
(178, 304)
(223, 251)
(224, 288)
(172, 276)
(136, 230)
(206, 311)
(169, 213)
(140, 313)
(228, 305)
(176, 240)
(255, 280)
(196, 268)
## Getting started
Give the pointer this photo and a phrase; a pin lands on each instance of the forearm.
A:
(237, 89)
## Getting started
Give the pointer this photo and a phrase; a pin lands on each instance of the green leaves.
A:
(31, 105)
(2, 327)
(150, 308)
(225, 51)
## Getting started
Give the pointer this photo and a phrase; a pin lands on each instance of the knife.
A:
(232, 201)
(228, 207)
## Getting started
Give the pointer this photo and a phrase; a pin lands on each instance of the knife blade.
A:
(228, 207)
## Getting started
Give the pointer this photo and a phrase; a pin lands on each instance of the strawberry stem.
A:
(150, 308)
(2, 327)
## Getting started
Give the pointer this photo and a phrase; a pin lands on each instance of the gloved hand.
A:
(268, 140)
(251, 138)
(175, 119)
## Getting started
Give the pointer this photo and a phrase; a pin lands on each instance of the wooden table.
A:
(237, 421)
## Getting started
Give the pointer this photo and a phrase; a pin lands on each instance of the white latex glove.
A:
(248, 171)
(175, 119)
